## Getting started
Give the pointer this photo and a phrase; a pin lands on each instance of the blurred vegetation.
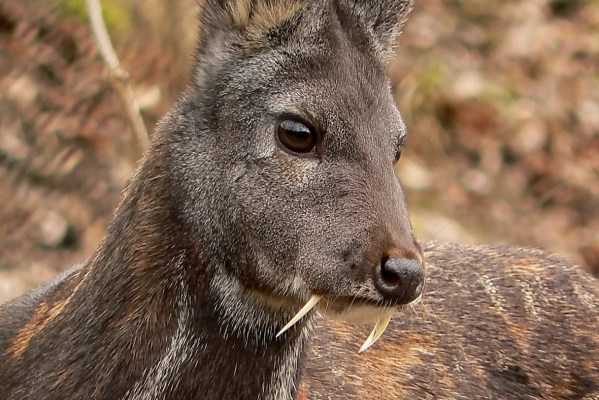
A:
(501, 98)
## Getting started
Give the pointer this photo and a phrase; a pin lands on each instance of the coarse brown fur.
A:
(494, 323)
(224, 232)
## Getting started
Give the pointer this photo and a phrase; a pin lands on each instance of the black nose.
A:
(399, 279)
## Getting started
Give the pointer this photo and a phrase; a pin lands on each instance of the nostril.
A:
(389, 274)
(400, 279)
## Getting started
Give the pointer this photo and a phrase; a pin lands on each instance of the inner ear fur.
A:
(263, 14)
(247, 15)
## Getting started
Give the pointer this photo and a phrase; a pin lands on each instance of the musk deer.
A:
(267, 189)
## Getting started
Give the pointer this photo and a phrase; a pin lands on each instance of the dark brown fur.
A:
(222, 235)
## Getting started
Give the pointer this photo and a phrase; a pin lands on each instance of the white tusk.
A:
(305, 309)
(376, 333)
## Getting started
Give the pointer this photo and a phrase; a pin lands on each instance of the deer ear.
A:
(249, 18)
(228, 25)
(384, 18)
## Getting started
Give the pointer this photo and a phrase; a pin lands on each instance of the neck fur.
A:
(210, 337)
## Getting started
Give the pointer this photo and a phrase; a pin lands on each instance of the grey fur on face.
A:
(296, 225)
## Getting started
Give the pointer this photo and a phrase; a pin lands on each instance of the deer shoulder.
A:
(494, 322)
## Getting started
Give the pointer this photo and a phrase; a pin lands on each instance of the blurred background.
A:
(501, 98)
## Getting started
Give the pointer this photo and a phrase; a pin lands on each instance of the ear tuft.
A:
(248, 15)
(384, 18)
(228, 25)
(260, 15)
(240, 12)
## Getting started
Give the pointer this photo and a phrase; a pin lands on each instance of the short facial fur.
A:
(293, 225)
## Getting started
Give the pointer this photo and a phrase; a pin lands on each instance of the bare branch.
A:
(119, 78)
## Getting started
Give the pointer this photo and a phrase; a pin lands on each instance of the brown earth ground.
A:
(501, 98)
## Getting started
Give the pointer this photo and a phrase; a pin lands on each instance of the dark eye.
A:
(296, 136)
(398, 153)
(397, 156)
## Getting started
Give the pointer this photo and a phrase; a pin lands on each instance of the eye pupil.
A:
(296, 136)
